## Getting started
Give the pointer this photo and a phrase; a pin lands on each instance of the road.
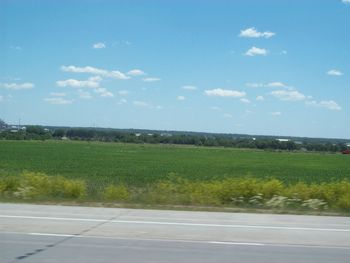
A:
(41, 233)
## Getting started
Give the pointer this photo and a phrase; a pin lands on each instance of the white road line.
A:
(51, 235)
(236, 243)
(232, 243)
(177, 223)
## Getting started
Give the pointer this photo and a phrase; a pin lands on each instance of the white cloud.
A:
(181, 98)
(84, 94)
(122, 101)
(123, 92)
(58, 94)
(151, 79)
(189, 87)
(346, 2)
(116, 74)
(90, 83)
(245, 100)
(334, 72)
(288, 95)
(87, 69)
(99, 45)
(1, 98)
(59, 101)
(136, 72)
(276, 113)
(225, 93)
(253, 33)
(227, 115)
(103, 92)
(16, 86)
(255, 51)
(260, 98)
(275, 84)
(328, 104)
(143, 104)
(96, 71)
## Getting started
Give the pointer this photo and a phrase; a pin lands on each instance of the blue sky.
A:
(256, 67)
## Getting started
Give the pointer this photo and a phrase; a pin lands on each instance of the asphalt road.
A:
(33, 233)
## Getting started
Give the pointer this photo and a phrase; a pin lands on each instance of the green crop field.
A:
(133, 164)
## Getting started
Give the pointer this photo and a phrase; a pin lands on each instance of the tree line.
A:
(110, 135)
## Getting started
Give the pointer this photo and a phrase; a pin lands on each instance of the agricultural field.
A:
(137, 164)
(173, 175)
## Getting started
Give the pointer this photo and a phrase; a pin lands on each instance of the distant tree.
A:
(35, 129)
(3, 124)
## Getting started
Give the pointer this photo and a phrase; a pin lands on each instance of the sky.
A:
(263, 67)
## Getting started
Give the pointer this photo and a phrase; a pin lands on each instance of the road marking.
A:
(51, 235)
(232, 243)
(176, 223)
(236, 243)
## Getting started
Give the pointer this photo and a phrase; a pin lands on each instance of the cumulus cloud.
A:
(122, 101)
(253, 33)
(90, 83)
(245, 100)
(103, 92)
(275, 84)
(58, 101)
(328, 104)
(96, 71)
(143, 104)
(260, 98)
(225, 93)
(347, 2)
(288, 95)
(17, 86)
(189, 87)
(99, 45)
(151, 79)
(335, 72)
(181, 98)
(255, 51)
(136, 72)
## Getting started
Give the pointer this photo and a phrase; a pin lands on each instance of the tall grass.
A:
(234, 192)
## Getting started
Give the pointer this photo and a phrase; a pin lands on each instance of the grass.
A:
(139, 164)
(173, 175)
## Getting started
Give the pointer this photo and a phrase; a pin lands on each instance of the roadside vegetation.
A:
(115, 173)
(233, 192)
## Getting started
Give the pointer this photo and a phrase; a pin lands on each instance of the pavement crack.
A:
(55, 244)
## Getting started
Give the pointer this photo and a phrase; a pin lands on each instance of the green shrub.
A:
(116, 193)
(9, 184)
(39, 185)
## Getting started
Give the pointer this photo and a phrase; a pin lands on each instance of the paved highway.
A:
(37, 233)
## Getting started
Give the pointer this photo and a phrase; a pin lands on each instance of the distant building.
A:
(346, 152)
(283, 140)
